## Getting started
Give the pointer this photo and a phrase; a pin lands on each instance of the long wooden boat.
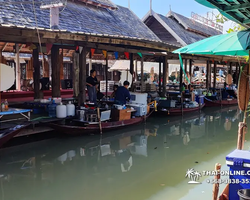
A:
(227, 102)
(8, 134)
(179, 111)
(71, 128)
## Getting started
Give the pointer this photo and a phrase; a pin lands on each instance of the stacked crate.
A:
(103, 86)
(150, 87)
(140, 87)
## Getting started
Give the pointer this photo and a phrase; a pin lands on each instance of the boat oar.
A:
(99, 120)
(243, 99)
(217, 178)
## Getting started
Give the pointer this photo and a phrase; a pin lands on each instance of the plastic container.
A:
(239, 163)
(71, 109)
(57, 100)
(244, 194)
(61, 111)
(199, 99)
(52, 109)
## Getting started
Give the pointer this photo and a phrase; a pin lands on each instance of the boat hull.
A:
(10, 134)
(94, 128)
(210, 103)
(178, 111)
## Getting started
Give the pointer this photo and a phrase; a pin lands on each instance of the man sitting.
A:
(122, 94)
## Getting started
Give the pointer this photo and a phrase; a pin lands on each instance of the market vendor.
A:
(122, 94)
(114, 92)
(91, 83)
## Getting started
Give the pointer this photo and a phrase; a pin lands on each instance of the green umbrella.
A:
(232, 44)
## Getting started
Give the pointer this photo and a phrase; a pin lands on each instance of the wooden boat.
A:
(226, 102)
(75, 127)
(8, 134)
(179, 111)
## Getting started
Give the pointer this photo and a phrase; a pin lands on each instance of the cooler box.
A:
(238, 161)
(138, 98)
(199, 99)
(166, 104)
(141, 110)
(120, 115)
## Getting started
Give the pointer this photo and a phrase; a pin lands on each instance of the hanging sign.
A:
(140, 54)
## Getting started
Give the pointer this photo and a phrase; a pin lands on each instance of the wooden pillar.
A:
(215, 70)
(36, 74)
(76, 74)
(106, 73)
(82, 76)
(231, 66)
(167, 72)
(136, 70)
(207, 75)
(55, 66)
(1, 57)
(185, 68)
(237, 72)
(190, 69)
(18, 70)
(160, 87)
(61, 66)
(181, 77)
(142, 75)
(164, 81)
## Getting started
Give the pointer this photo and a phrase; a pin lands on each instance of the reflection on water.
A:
(144, 162)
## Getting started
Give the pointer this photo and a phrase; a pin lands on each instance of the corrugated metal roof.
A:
(78, 18)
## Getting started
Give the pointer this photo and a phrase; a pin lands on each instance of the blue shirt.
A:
(121, 95)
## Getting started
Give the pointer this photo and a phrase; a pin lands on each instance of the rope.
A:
(38, 34)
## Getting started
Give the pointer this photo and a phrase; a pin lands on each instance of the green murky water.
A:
(145, 162)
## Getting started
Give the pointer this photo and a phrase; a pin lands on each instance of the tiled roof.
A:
(187, 36)
(78, 17)
(104, 2)
(194, 25)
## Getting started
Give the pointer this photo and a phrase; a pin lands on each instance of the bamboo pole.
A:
(99, 119)
(217, 178)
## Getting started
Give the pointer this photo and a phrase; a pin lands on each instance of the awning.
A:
(235, 10)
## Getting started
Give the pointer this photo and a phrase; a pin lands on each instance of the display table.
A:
(25, 113)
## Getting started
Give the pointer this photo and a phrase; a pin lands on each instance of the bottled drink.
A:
(2, 106)
(52, 109)
(6, 105)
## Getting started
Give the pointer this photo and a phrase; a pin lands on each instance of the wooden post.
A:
(160, 86)
(185, 68)
(231, 68)
(106, 74)
(207, 75)
(142, 75)
(167, 71)
(82, 76)
(215, 70)
(136, 70)
(90, 62)
(55, 66)
(164, 81)
(190, 69)
(18, 70)
(76, 74)
(237, 73)
(36, 74)
(181, 76)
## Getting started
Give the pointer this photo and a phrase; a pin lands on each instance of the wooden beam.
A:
(82, 76)
(167, 72)
(5, 45)
(207, 74)
(55, 72)
(36, 73)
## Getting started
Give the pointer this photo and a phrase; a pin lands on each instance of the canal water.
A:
(145, 162)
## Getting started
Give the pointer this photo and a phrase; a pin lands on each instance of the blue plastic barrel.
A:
(52, 109)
